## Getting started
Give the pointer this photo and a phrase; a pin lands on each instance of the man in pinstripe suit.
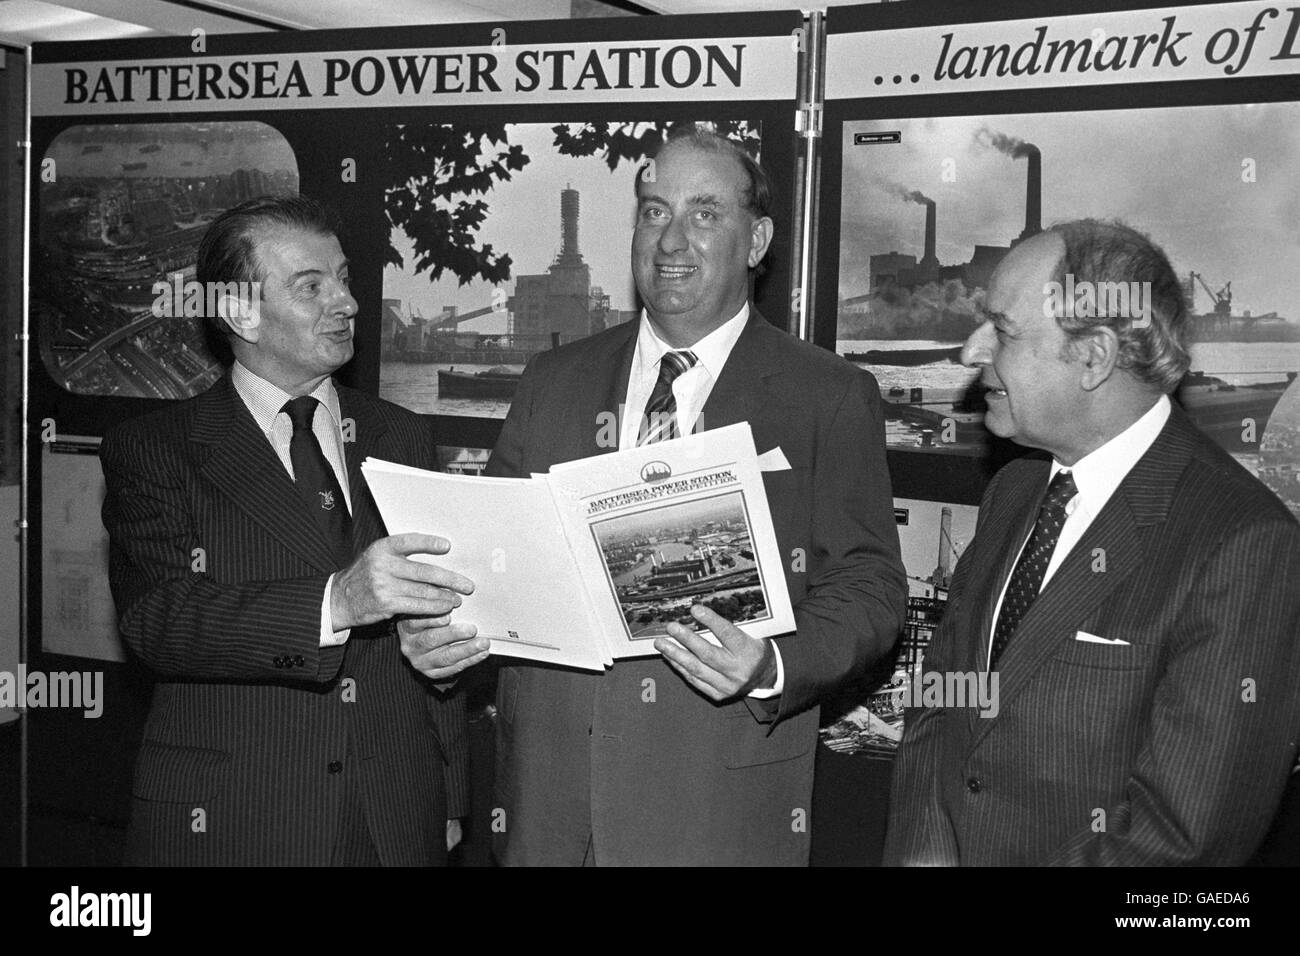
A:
(287, 727)
(1140, 610)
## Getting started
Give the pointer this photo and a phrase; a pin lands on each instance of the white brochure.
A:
(591, 562)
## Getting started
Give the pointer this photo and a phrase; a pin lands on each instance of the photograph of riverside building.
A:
(695, 552)
(464, 312)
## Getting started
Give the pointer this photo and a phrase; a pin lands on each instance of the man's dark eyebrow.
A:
(344, 267)
(705, 199)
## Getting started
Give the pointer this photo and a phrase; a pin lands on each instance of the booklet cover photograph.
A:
(662, 562)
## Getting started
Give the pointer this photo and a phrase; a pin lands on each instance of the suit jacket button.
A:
(335, 766)
(278, 662)
(299, 661)
(974, 785)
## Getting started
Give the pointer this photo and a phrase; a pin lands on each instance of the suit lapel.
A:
(367, 431)
(742, 390)
(1110, 550)
(1023, 499)
(242, 465)
(603, 393)
(1077, 588)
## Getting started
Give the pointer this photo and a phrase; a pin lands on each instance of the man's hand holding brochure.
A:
(592, 561)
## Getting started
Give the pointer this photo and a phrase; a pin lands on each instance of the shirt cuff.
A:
(765, 693)
(332, 638)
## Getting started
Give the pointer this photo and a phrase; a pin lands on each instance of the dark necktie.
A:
(1027, 578)
(316, 481)
(659, 423)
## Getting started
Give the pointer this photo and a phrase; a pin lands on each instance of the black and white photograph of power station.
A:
(469, 296)
(929, 207)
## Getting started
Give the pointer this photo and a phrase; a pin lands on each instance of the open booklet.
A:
(591, 562)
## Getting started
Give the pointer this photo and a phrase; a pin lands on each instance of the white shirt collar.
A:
(712, 351)
(265, 401)
(1098, 473)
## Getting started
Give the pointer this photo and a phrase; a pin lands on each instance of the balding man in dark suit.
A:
(1133, 591)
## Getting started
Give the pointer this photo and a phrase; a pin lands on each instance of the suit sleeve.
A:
(919, 831)
(178, 620)
(1224, 717)
(853, 610)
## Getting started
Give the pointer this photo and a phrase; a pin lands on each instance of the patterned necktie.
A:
(316, 481)
(659, 423)
(1027, 578)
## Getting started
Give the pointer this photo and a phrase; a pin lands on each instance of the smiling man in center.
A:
(704, 755)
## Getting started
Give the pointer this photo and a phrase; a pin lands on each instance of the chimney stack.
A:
(928, 268)
(1033, 192)
(929, 232)
(943, 573)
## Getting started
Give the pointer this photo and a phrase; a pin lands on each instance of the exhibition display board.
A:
(484, 174)
(950, 135)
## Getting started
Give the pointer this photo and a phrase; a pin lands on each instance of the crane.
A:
(1222, 299)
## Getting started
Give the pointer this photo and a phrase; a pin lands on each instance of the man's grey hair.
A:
(1098, 251)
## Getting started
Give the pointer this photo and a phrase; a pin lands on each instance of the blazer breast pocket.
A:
(1107, 656)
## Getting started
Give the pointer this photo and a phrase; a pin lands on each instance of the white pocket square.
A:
(1094, 639)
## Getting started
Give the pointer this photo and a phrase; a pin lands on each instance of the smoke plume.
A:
(1011, 146)
(914, 195)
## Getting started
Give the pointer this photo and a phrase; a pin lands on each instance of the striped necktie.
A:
(659, 423)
